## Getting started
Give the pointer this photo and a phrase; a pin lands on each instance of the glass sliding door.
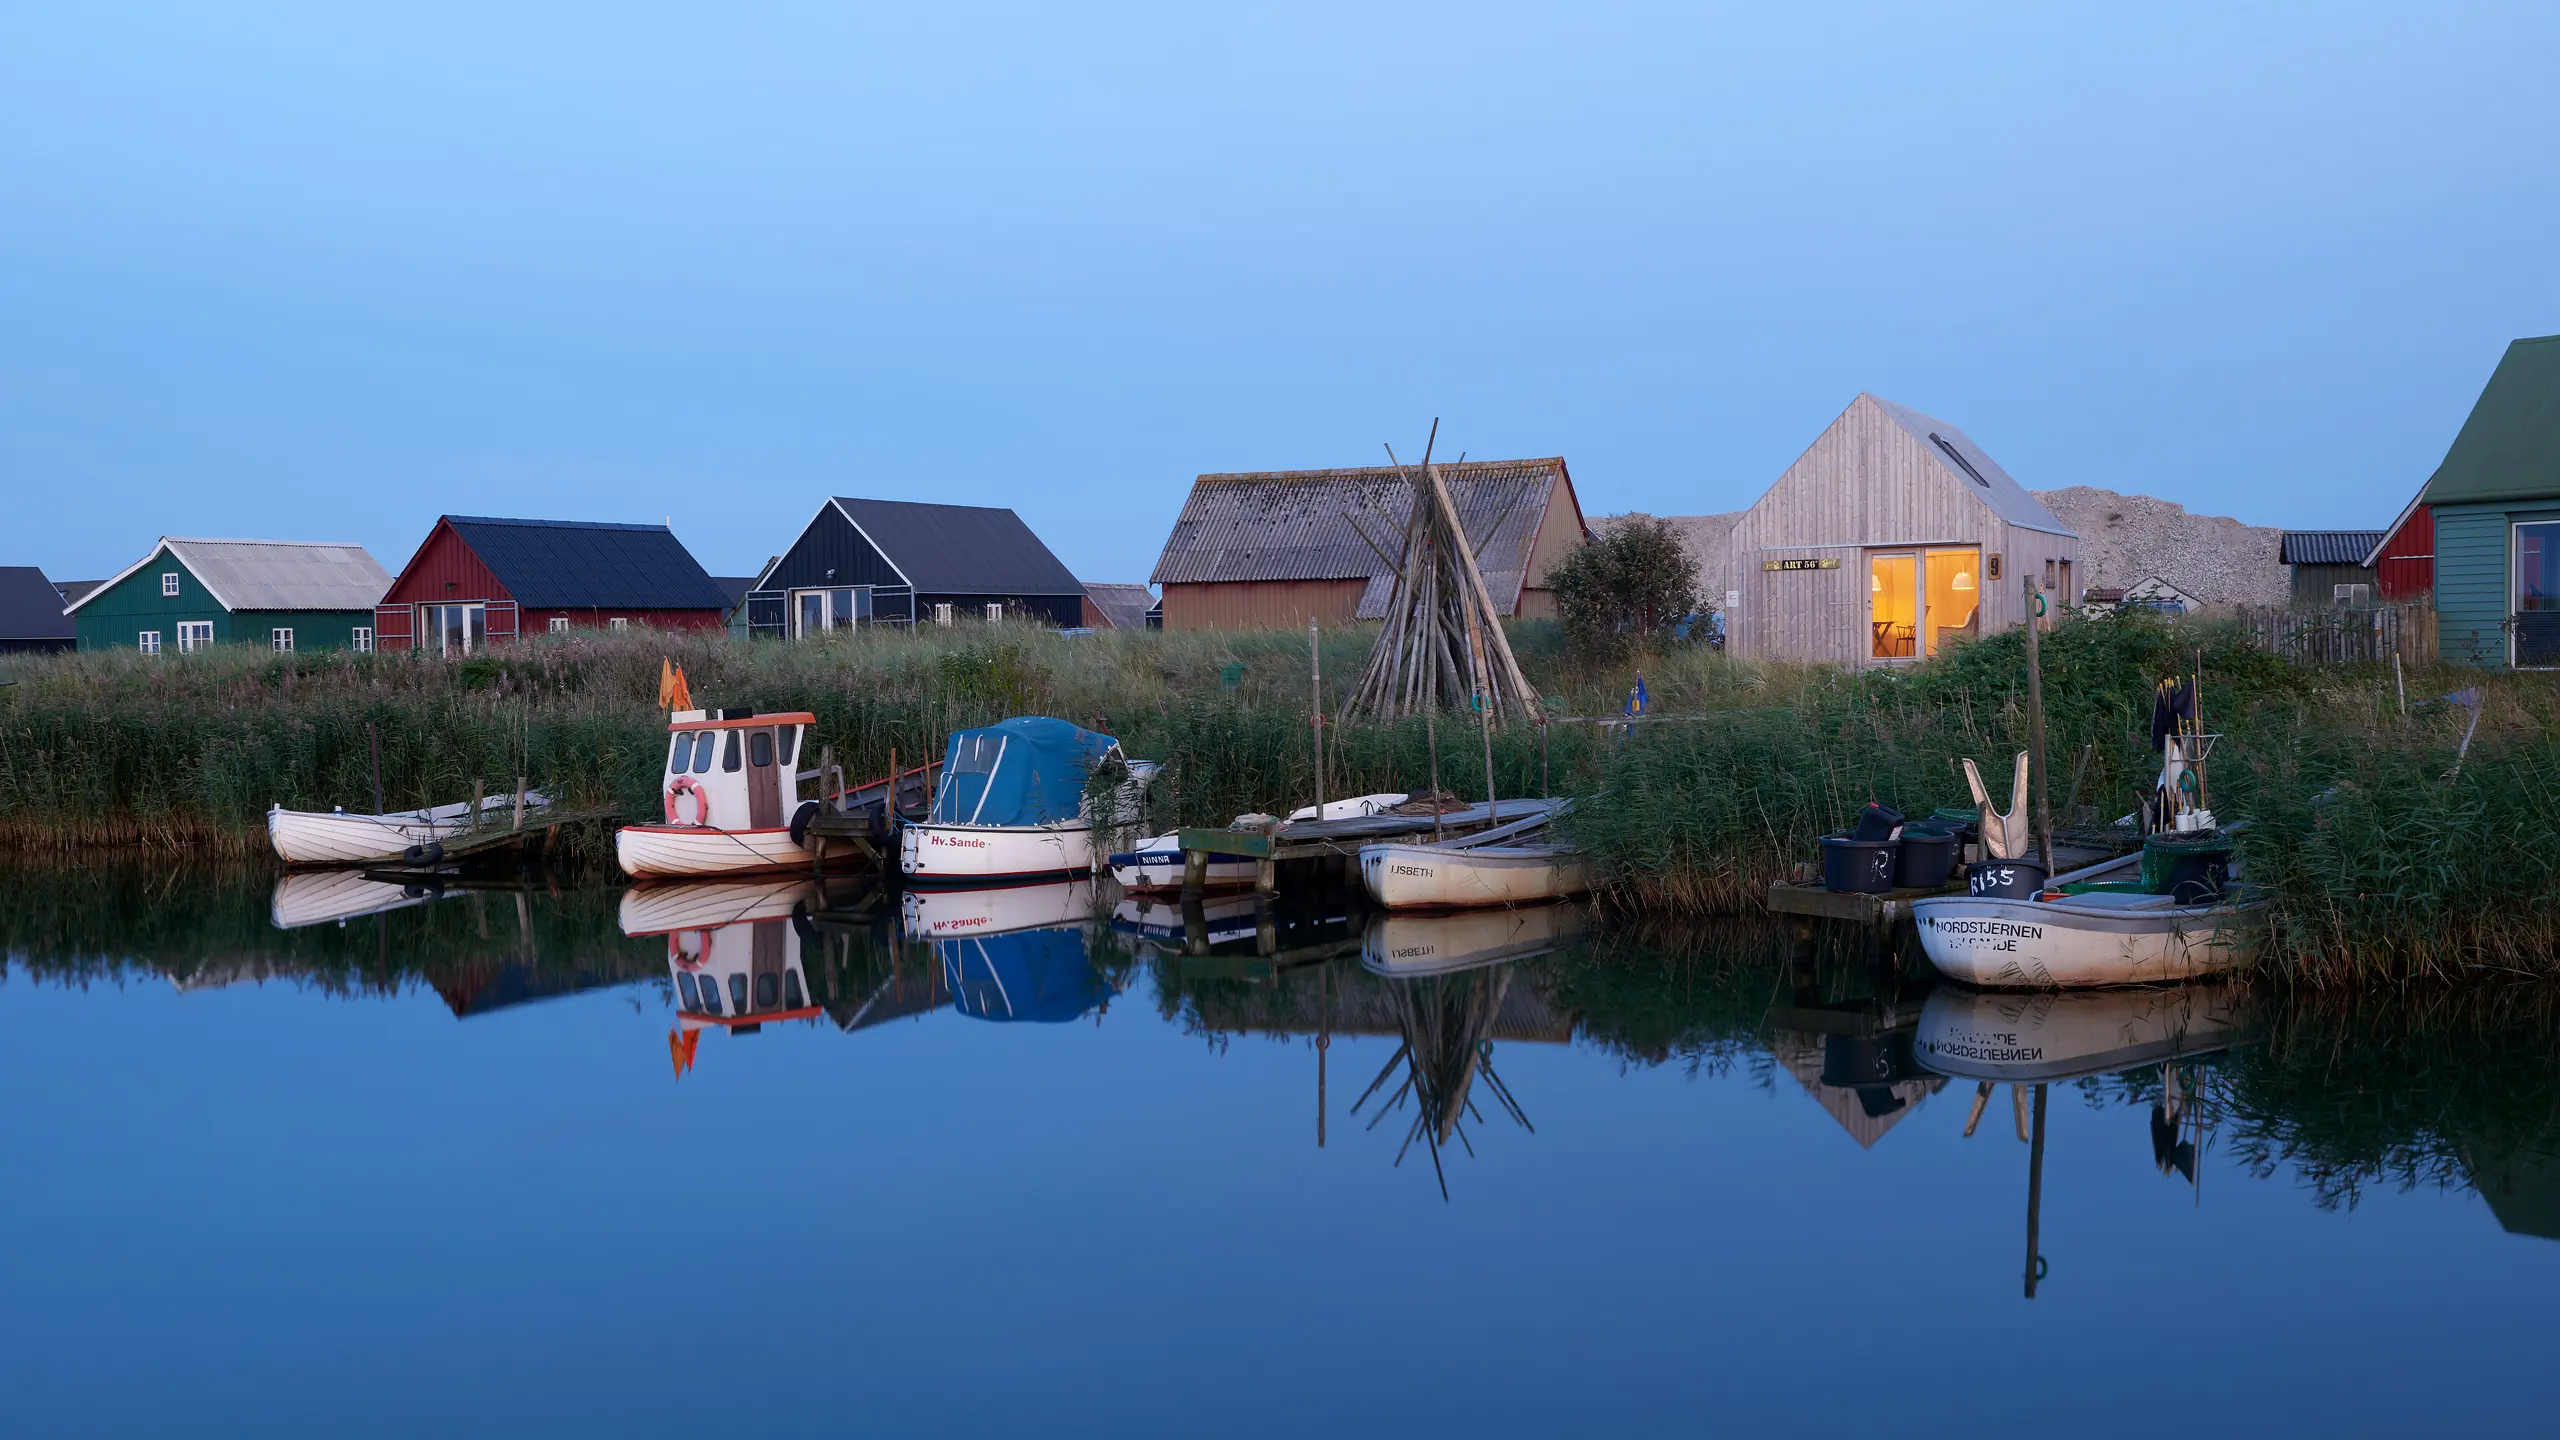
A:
(1952, 595)
(817, 611)
(1893, 606)
(2537, 594)
(454, 630)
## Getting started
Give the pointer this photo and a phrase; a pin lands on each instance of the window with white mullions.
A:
(194, 635)
(280, 638)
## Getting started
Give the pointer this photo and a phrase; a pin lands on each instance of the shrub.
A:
(1625, 589)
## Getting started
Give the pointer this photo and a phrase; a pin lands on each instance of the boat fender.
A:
(801, 924)
(426, 854)
(686, 785)
(800, 819)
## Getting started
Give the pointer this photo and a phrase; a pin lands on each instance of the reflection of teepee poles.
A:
(1447, 1022)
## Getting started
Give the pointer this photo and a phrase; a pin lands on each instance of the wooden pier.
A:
(1335, 839)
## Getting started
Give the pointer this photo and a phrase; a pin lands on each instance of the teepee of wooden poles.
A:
(1442, 642)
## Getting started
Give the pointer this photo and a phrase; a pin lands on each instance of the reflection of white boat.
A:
(1011, 804)
(316, 897)
(732, 951)
(944, 914)
(2012, 1037)
(2079, 941)
(1438, 944)
(730, 795)
(707, 904)
(336, 837)
(1233, 917)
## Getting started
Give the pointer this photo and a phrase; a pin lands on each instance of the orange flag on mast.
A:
(672, 694)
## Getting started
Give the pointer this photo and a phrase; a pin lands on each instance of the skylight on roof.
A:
(1957, 456)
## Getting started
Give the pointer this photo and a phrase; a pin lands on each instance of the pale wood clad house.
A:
(1891, 536)
(1270, 549)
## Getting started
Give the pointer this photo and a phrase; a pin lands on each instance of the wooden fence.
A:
(2346, 636)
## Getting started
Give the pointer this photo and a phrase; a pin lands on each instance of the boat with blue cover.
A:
(1012, 804)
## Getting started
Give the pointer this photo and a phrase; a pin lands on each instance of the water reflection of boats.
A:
(2032, 1036)
(2031, 1039)
(1411, 944)
(733, 949)
(317, 897)
(1449, 978)
(1016, 953)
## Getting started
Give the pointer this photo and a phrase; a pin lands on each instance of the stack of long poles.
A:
(1441, 641)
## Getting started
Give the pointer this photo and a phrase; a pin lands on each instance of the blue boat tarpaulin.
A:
(1029, 770)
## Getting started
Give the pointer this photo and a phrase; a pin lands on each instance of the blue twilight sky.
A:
(326, 271)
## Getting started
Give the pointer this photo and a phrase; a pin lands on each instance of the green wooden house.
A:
(187, 595)
(2496, 500)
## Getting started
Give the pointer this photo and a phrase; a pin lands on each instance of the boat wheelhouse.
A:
(730, 796)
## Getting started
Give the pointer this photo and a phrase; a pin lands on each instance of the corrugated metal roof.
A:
(1333, 524)
(1124, 606)
(2327, 547)
(270, 574)
(961, 549)
(588, 565)
(30, 606)
(2509, 446)
(1990, 484)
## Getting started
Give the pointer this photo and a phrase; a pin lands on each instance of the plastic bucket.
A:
(2189, 869)
(1860, 867)
(2005, 879)
(1927, 858)
(1876, 822)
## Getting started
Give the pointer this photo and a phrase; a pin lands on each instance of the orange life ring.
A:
(686, 785)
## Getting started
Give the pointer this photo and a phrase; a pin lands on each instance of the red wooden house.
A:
(477, 581)
(2405, 562)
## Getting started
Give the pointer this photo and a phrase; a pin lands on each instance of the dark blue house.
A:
(900, 562)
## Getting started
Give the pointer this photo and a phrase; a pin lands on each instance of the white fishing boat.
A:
(341, 837)
(2074, 941)
(1506, 865)
(1012, 805)
(1156, 866)
(730, 797)
(1409, 945)
(2008, 1038)
(2018, 930)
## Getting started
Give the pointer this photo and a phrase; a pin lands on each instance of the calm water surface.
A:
(771, 1159)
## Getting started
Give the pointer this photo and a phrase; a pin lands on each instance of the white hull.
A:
(2081, 942)
(1441, 877)
(334, 837)
(1439, 944)
(1156, 865)
(708, 904)
(2017, 1039)
(970, 853)
(663, 851)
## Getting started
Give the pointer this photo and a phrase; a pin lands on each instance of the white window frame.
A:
(559, 625)
(942, 614)
(168, 583)
(617, 623)
(2514, 603)
(148, 641)
(280, 639)
(861, 597)
(362, 640)
(436, 630)
(995, 612)
(194, 635)
(2351, 594)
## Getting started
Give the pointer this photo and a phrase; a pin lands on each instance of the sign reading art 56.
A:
(1831, 562)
